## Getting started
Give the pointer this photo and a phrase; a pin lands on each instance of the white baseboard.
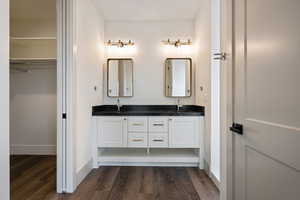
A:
(33, 149)
(83, 172)
(215, 180)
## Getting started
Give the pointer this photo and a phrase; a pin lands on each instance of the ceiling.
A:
(148, 9)
(33, 9)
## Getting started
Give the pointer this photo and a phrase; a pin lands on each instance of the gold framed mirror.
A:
(178, 77)
(120, 77)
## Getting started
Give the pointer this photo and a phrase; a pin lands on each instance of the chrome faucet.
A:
(119, 105)
(179, 105)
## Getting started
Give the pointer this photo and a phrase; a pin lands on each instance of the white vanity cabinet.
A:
(148, 140)
(143, 132)
(137, 132)
(158, 132)
(111, 131)
(184, 132)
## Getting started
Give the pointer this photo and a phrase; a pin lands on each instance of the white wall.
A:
(33, 111)
(4, 100)
(90, 52)
(149, 55)
(203, 42)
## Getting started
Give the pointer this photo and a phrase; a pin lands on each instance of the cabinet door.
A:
(112, 132)
(184, 132)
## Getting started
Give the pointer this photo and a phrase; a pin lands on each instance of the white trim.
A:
(226, 190)
(149, 164)
(70, 95)
(60, 175)
(215, 180)
(149, 159)
(20, 149)
(66, 75)
(4, 101)
(84, 171)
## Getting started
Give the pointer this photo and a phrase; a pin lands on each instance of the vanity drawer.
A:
(158, 140)
(137, 124)
(158, 124)
(137, 140)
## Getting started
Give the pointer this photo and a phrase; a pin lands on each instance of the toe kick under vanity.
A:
(139, 135)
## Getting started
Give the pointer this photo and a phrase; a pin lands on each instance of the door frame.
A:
(226, 113)
(66, 95)
(4, 101)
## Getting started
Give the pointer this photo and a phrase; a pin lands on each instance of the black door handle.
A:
(237, 128)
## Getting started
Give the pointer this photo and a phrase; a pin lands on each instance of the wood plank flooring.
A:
(34, 178)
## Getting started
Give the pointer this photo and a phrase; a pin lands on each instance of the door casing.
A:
(226, 107)
(66, 87)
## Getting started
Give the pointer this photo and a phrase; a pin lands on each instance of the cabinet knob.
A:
(170, 119)
(125, 119)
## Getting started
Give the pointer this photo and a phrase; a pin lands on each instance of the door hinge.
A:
(64, 115)
(220, 56)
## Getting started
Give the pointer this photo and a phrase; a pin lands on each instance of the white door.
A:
(184, 132)
(112, 132)
(267, 100)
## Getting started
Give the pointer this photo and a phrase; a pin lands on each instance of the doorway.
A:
(36, 98)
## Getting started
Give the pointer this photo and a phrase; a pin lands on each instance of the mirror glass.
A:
(178, 77)
(120, 77)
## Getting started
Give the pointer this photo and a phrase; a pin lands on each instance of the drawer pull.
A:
(137, 140)
(158, 124)
(158, 140)
(137, 124)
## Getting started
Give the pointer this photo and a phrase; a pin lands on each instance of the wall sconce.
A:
(177, 43)
(120, 43)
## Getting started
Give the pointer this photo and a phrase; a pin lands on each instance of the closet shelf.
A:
(33, 38)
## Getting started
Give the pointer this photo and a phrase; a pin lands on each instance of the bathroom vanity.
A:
(154, 135)
(148, 135)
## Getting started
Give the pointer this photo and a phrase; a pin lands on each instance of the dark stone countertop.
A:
(148, 110)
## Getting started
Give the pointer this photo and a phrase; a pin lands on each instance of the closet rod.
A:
(19, 70)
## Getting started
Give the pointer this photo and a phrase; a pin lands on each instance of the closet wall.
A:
(33, 77)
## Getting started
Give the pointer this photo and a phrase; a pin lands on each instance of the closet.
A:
(33, 99)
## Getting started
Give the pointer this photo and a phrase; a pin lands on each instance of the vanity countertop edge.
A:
(148, 110)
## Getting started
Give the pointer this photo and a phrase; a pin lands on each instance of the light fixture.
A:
(120, 43)
(177, 43)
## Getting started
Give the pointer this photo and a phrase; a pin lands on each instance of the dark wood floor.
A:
(33, 177)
